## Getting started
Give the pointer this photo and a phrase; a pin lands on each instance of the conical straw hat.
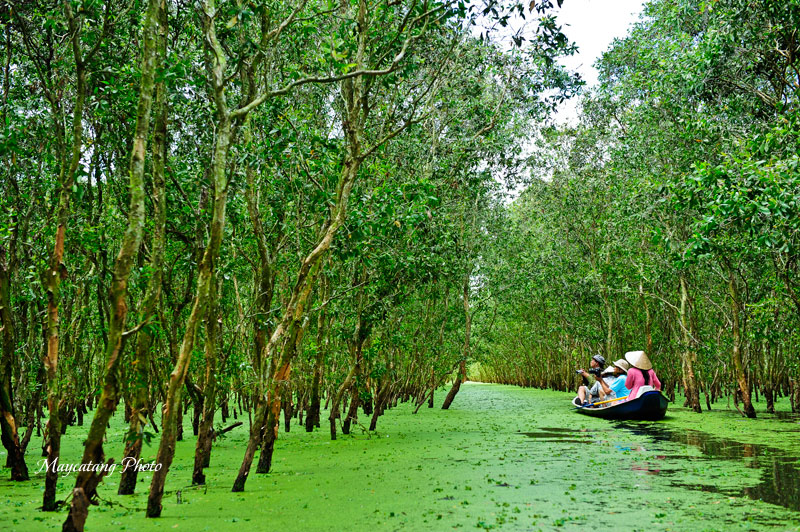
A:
(638, 359)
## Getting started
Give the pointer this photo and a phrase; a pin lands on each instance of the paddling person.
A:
(640, 374)
(587, 395)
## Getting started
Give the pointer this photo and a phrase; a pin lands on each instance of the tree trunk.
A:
(286, 405)
(8, 264)
(352, 412)
(270, 435)
(205, 277)
(337, 398)
(380, 402)
(265, 427)
(462, 365)
(57, 271)
(460, 377)
(736, 355)
(202, 454)
(8, 423)
(279, 387)
(283, 338)
(688, 334)
(87, 481)
(313, 414)
(144, 341)
(256, 435)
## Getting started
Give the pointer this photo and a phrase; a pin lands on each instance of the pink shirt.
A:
(635, 381)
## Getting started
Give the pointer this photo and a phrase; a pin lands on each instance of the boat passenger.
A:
(615, 388)
(640, 374)
(595, 393)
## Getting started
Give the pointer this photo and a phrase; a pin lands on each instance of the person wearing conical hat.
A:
(640, 374)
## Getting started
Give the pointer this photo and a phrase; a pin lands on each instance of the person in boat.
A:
(595, 393)
(615, 388)
(640, 374)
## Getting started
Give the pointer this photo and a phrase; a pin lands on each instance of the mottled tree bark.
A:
(270, 432)
(202, 454)
(279, 387)
(141, 409)
(86, 481)
(57, 271)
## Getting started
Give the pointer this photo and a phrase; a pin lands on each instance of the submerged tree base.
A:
(501, 457)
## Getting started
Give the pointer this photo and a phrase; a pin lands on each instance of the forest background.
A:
(304, 207)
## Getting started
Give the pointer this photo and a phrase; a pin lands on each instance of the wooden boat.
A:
(650, 406)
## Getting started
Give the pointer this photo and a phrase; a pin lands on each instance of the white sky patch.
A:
(592, 25)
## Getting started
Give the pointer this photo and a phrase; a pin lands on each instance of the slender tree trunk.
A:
(689, 356)
(8, 423)
(166, 450)
(141, 409)
(380, 402)
(270, 433)
(34, 405)
(465, 353)
(57, 270)
(279, 387)
(9, 435)
(86, 482)
(288, 408)
(295, 309)
(352, 412)
(256, 435)
(265, 427)
(202, 455)
(349, 381)
(283, 340)
(313, 414)
(648, 321)
(433, 388)
(736, 355)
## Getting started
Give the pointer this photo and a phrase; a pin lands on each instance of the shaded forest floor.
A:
(501, 458)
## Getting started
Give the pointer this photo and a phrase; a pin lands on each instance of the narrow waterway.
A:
(503, 458)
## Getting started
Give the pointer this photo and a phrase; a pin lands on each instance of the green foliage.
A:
(682, 172)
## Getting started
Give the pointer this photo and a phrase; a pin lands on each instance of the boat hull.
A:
(650, 406)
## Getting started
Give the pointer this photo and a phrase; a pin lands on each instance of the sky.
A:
(592, 25)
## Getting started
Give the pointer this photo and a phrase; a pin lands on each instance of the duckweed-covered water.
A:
(502, 458)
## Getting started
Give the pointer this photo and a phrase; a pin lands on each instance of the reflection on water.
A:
(561, 435)
(787, 416)
(780, 473)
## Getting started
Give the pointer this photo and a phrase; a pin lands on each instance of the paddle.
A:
(609, 401)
